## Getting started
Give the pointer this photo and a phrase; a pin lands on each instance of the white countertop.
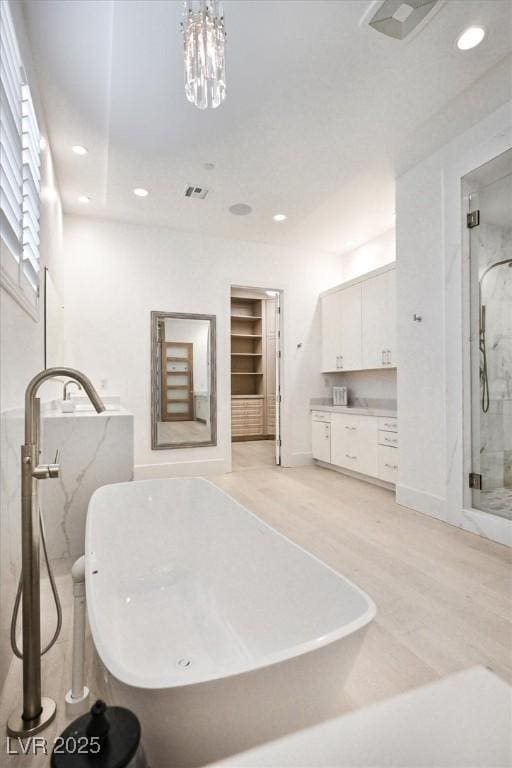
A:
(82, 412)
(461, 721)
(357, 411)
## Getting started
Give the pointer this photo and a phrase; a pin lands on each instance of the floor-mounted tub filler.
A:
(216, 630)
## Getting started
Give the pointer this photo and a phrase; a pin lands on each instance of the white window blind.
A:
(11, 174)
(20, 172)
(30, 188)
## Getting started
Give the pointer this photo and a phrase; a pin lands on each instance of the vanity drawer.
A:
(388, 464)
(321, 416)
(388, 424)
(388, 438)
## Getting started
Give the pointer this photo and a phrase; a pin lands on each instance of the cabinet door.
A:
(341, 448)
(367, 446)
(354, 443)
(391, 320)
(350, 322)
(379, 320)
(321, 434)
(331, 330)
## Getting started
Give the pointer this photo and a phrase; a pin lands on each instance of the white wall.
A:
(21, 356)
(117, 273)
(371, 255)
(430, 282)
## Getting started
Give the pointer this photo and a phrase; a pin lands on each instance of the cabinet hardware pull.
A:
(383, 361)
(391, 466)
(350, 457)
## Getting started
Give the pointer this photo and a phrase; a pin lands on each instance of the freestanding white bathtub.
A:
(216, 630)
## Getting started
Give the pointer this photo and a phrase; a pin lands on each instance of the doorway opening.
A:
(255, 365)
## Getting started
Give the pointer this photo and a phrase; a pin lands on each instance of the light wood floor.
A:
(252, 454)
(443, 596)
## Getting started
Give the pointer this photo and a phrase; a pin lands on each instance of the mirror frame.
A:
(155, 317)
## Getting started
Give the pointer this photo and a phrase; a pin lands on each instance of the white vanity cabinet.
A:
(364, 444)
(358, 323)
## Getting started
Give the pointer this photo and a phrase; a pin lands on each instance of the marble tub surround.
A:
(369, 406)
(94, 450)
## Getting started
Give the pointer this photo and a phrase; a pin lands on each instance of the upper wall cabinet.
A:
(358, 324)
(341, 330)
(379, 321)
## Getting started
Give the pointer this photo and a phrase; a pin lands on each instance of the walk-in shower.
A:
(489, 221)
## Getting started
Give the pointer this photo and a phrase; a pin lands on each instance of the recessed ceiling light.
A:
(279, 217)
(79, 150)
(140, 192)
(240, 209)
(470, 38)
(84, 199)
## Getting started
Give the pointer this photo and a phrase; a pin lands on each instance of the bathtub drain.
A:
(183, 663)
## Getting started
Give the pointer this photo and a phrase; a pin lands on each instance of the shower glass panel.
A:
(490, 251)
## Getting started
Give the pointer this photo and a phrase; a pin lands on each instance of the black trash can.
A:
(106, 737)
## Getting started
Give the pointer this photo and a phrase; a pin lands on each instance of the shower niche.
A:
(488, 193)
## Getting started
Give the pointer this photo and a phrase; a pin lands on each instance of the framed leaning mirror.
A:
(183, 380)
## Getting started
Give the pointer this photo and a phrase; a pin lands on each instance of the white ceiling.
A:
(321, 115)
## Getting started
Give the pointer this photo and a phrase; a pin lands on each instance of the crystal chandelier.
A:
(204, 39)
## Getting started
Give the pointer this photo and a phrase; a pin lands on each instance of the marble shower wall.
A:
(494, 243)
(11, 438)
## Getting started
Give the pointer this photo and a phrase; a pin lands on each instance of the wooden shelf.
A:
(247, 373)
(246, 354)
(249, 318)
(246, 336)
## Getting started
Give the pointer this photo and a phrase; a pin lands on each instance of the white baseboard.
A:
(300, 460)
(180, 469)
(431, 505)
(474, 521)
(484, 524)
(355, 475)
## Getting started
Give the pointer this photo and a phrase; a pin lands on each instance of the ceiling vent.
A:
(198, 192)
(398, 18)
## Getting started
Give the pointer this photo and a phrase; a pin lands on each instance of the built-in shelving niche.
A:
(247, 369)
